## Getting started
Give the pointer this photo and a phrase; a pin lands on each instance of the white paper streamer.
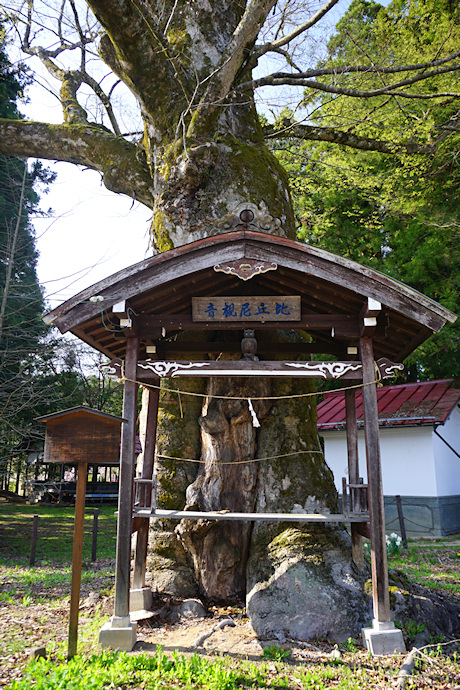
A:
(255, 421)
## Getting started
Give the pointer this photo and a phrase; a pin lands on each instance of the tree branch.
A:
(220, 81)
(282, 79)
(116, 159)
(284, 40)
(368, 69)
(288, 129)
(104, 98)
(127, 48)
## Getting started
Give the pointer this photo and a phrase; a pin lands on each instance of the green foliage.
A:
(410, 629)
(349, 645)
(432, 565)
(276, 653)
(110, 669)
(396, 213)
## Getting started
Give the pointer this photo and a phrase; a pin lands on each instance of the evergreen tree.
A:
(23, 350)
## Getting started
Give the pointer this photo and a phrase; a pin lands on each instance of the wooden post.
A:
(344, 497)
(379, 567)
(125, 487)
(33, 544)
(353, 474)
(94, 542)
(146, 493)
(402, 525)
(77, 558)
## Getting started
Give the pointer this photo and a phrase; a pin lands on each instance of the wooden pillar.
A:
(82, 471)
(380, 592)
(146, 493)
(353, 473)
(125, 487)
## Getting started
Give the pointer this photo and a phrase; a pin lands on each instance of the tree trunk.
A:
(226, 480)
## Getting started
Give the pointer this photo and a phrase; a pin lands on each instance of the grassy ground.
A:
(433, 564)
(34, 611)
(55, 532)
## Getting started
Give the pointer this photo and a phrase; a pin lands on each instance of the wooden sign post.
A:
(73, 437)
(82, 471)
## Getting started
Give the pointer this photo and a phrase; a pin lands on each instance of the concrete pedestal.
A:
(383, 638)
(118, 634)
(140, 599)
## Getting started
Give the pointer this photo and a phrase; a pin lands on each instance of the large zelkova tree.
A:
(194, 67)
(407, 205)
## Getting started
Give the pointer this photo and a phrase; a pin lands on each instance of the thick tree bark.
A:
(227, 480)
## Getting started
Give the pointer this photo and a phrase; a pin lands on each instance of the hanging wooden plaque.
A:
(278, 308)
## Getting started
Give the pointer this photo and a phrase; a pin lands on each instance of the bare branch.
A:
(367, 69)
(105, 100)
(281, 79)
(44, 53)
(284, 40)
(80, 33)
(71, 80)
(288, 129)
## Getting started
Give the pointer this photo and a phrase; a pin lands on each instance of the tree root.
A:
(219, 626)
(406, 669)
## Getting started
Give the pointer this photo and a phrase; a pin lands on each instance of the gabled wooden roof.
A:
(410, 404)
(79, 409)
(159, 292)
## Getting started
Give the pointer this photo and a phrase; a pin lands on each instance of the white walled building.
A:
(420, 450)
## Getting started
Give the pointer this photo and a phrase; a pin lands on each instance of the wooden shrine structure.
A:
(237, 281)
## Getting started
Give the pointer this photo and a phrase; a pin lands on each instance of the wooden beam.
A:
(379, 566)
(164, 350)
(368, 317)
(253, 517)
(145, 325)
(125, 496)
(82, 470)
(149, 370)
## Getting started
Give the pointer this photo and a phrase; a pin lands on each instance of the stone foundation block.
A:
(118, 638)
(140, 599)
(383, 638)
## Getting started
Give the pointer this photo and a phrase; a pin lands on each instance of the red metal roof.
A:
(407, 404)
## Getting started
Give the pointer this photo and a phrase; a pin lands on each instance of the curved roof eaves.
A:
(204, 254)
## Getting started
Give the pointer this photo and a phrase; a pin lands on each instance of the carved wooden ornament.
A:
(154, 369)
(247, 269)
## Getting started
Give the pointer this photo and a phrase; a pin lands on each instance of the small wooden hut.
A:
(83, 435)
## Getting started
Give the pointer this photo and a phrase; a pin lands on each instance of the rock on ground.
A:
(413, 605)
(302, 584)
